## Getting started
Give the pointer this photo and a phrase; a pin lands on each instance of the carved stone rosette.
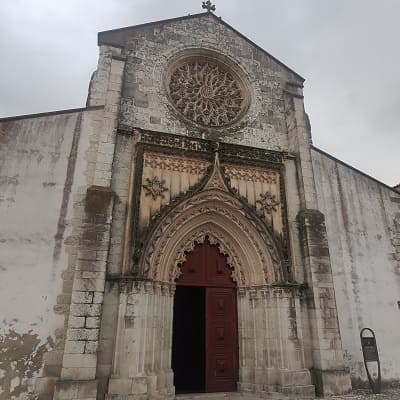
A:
(207, 91)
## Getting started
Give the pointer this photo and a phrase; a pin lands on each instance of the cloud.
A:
(346, 50)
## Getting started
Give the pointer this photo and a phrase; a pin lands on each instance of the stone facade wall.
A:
(362, 221)
(144, 99)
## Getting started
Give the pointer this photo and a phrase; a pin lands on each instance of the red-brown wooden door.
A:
(206, 267)
(221, 340)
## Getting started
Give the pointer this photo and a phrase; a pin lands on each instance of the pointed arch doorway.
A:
(205, 329)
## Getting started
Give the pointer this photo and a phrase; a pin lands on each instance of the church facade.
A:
(180, 234)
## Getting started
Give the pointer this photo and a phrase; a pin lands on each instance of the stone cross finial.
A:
(209, 6)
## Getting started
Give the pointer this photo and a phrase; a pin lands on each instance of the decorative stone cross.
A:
(209, 6)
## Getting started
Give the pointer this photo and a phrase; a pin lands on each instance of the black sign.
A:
(370, 353)
(369, 349)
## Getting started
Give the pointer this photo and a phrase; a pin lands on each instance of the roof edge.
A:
(127, 28)
(49, 113)
(219, 19)
(391, 188)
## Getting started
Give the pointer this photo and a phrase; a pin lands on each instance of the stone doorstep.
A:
(204, 396)
(298, 392)
(231, 396)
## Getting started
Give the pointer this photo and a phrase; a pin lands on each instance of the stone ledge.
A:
(331, 382)
(79, 390)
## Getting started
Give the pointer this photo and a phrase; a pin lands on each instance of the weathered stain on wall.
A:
(363, 225)
(21, 358)
(69, 179)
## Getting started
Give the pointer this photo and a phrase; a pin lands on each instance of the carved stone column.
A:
(271, 351)
(142, 361)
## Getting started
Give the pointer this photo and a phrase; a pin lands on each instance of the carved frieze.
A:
(176, 142)
(251, 174)
(228, 152)
(177, 164)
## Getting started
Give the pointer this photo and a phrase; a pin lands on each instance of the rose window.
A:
(206, 93)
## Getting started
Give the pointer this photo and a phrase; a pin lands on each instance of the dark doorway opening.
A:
(205, 344)
(188, 345)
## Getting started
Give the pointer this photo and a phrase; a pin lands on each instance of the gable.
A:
(154, 52)
(119, 37)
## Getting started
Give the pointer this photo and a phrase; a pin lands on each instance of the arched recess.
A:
(216, 214)
(264, 311)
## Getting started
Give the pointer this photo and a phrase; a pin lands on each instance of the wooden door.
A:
(221, 340)
(206, 267)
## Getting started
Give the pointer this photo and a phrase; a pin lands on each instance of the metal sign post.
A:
(370, 354)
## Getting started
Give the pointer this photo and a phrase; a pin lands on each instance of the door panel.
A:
(206, 267)
(221, 340)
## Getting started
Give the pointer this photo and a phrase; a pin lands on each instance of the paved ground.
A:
(387, 394)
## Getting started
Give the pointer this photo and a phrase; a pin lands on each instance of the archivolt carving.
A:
(250, 248)
(213, 236)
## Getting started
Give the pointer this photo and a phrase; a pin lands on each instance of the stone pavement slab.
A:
(365, 394)
(361, 394)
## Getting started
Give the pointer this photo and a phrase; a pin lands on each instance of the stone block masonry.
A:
(80, 359)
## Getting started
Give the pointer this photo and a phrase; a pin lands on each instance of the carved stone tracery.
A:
(207, 93)
(225, 247)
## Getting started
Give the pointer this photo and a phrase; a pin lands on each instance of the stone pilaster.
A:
(80, 353)
(79, 362)
(329, 373)
(300, 144)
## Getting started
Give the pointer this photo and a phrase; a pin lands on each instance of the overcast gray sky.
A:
(348, 51)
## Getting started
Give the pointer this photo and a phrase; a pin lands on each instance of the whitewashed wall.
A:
(37, 157)
(363, 226)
